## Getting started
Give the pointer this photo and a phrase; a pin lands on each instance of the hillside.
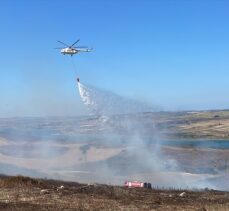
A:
(122, 147)
(23, 193)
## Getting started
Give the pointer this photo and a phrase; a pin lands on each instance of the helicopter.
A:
(71, 50)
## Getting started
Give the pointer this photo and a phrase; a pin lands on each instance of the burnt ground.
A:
(24, 193)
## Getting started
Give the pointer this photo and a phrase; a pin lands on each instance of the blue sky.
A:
(172, 54)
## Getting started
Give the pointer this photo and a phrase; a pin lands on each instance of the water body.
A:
(203, 144)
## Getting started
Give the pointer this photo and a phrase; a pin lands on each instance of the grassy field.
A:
(88, 150)
(197, 125)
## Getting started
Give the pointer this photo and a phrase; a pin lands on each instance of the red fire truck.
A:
(137, 184)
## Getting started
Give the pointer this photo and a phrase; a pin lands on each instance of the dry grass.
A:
(17, 181)
(24, 193)
(217, 207)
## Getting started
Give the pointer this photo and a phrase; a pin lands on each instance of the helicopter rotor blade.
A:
(74, 43)
(63, 43)
(81, 47)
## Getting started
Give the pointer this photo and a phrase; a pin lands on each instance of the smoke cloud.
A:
(121, 141)
(142, 158)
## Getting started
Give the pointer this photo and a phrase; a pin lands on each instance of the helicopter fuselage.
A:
(69, 51)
